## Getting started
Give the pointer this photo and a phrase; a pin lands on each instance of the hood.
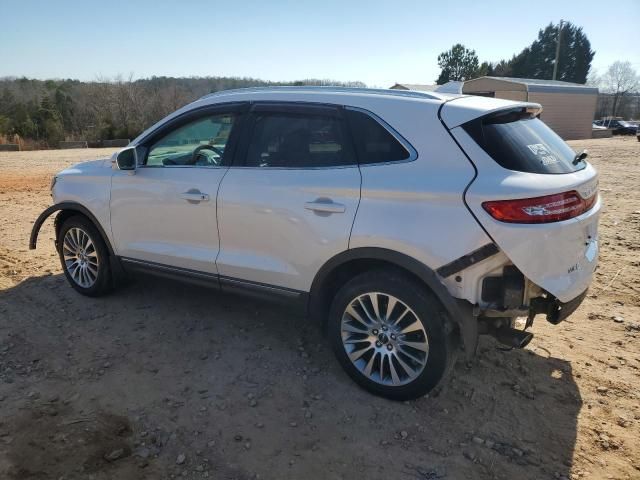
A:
(84, 167)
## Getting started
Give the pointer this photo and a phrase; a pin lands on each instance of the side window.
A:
(373, 142)
(298, 140)
(200, 143)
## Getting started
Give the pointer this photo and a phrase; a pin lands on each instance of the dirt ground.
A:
(162, 380)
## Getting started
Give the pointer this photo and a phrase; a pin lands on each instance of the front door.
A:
(165, 212)
(289, 206)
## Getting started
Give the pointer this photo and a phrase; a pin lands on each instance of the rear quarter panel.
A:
(417, 207)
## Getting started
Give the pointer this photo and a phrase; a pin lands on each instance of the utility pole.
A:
(555, 64)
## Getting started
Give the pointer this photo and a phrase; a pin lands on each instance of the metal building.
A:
(568, 108)
(414, 86)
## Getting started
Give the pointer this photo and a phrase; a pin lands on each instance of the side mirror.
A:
(127, 159)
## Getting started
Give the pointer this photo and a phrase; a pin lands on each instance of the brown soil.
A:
(120, 387)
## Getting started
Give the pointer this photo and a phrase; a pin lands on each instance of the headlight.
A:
(53, 183)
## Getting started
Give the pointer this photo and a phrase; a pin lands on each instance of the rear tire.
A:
(84, 257)
(390, 335)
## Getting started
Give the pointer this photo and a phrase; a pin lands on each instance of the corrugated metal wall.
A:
(569, 115)
(519, 96)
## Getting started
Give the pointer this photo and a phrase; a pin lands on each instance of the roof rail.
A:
(310, 88)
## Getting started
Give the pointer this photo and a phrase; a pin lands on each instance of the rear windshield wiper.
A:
(580, 157)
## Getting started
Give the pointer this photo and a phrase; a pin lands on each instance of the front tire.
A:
(84, 257)
(389, 333)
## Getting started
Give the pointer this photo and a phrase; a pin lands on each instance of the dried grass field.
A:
(163, 380)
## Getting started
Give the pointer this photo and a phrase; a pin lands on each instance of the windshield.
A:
(518, 141)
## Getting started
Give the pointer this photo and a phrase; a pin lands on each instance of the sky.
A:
(376, 42)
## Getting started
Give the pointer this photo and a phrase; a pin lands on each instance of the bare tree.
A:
(109, 107)
(619, 80)
(594, 79)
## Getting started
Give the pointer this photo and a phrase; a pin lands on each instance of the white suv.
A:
(407, 223)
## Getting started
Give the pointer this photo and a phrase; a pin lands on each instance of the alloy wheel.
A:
(384, 339)
(80, 257)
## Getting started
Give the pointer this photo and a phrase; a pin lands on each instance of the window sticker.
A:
(540, 151)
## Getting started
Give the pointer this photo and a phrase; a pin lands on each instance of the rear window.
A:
(518, 141)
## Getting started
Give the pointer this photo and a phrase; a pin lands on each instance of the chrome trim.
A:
(325, 207)
(181, 113)
(183, 166)
(413, 153)
(332, 167)
(326, 89)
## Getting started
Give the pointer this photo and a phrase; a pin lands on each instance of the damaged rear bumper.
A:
(555, 310)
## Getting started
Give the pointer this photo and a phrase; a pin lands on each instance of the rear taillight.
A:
(547, 209)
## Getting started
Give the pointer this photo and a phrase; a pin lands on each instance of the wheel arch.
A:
(67, 210)
(339, 269)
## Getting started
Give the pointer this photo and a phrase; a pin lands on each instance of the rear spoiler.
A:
(461, 110)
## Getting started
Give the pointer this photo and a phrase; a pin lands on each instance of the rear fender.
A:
(460, 311)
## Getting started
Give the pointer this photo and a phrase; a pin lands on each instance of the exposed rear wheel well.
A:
(324, 293)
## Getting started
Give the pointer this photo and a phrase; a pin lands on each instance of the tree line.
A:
(535, 61)
(45, 112)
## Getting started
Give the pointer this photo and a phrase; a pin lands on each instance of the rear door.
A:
(290, 204)
(535, 199)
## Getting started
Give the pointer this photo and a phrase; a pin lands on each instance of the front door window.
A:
(200, 143)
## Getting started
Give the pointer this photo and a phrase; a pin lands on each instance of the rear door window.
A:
(373, 142)
(518, 141)
(298, 137)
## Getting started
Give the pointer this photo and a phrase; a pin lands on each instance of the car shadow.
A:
(246, 387)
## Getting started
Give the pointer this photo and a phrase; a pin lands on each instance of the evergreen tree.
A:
(64, 106)
(459, 63)
(6, 102)
(502, 68)
(50, 122)
(485, 69)
(537, 60)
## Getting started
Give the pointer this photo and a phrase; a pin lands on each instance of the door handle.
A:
(325, 206)
(194, 196)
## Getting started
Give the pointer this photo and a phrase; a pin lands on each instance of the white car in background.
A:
(407, 223)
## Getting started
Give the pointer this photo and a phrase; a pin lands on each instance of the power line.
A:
(555, 64)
